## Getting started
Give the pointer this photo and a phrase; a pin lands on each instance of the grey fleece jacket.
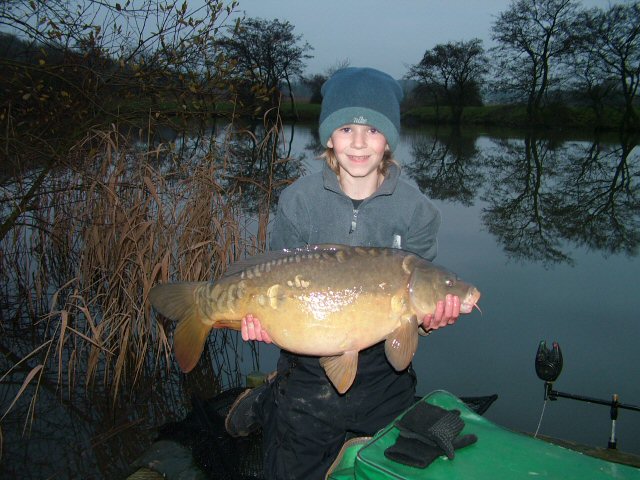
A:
(314, 210)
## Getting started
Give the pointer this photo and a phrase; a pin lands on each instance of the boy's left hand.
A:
(447, 312)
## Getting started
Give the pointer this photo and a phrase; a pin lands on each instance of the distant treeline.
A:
(558, 116)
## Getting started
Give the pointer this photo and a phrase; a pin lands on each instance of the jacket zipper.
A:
(354, 221)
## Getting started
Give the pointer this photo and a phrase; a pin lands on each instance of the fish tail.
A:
(177, 301)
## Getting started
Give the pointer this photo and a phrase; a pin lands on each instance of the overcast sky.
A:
(384, 34)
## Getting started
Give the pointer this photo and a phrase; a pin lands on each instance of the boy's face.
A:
(359, 149)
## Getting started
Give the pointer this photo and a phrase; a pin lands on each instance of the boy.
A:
(358, 199)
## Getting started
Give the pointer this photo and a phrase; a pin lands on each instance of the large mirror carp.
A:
(329, 301)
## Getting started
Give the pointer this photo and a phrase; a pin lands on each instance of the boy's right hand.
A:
(251, 330)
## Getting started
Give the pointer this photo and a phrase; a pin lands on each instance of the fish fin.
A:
(402, 344)
(177, 301)
(174, 300)
(188, 341)
(341, 369)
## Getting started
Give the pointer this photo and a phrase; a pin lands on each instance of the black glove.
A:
(426, 432)
(415, 453)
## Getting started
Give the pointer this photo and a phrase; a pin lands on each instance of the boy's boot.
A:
(244, 415)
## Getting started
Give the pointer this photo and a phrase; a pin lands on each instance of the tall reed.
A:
(115, 219)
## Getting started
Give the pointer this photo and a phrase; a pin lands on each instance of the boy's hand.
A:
(251, 330)
(446, 313)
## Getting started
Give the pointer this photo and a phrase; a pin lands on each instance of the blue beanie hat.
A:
(364, 96)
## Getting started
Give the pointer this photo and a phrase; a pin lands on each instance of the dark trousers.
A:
(305, 420)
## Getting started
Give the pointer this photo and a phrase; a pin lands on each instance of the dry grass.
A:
(79, 260)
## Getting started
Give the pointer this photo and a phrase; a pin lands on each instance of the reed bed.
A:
(105, 226)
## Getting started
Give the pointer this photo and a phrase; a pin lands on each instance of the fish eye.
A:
(449, 282)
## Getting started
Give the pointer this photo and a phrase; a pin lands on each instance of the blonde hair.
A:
(330, 157)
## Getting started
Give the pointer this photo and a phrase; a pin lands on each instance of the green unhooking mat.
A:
(498, 453)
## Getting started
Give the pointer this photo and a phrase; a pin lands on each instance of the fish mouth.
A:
(470, 300)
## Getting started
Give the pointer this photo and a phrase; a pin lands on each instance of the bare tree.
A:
(455, 68)
(532, 36)
(611, 39)
(588, 79)
(120, 30)
(264, 54)
(73, 66)
(315, 82)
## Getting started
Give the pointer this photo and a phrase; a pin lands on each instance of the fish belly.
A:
(304, 331)
(319, 322)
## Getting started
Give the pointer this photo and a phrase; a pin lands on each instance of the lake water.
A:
(548, 230)
(546, 226)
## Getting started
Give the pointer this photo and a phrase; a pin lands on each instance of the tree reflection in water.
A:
(540, 193)
(601, 207)
(447, 167)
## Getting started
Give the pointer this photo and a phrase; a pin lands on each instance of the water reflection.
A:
(521, 205)
(251, 170)
(447, 167)
(540, 192)
(600, 204)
